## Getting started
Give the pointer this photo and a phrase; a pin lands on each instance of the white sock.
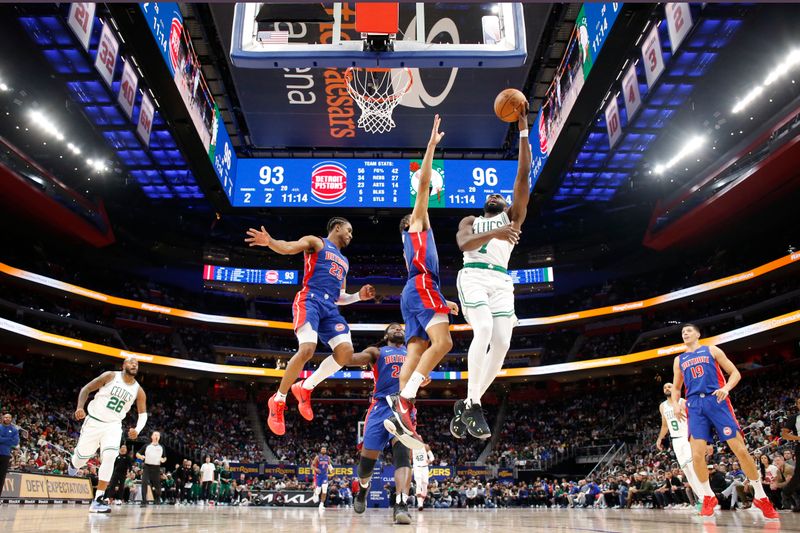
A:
(481, 322)
(398, 498)
(99, 493)
(707, 488)
(409, 392)
(363, 485)
(326, 369)
(502, 329)
(758, 488)
(280, 397)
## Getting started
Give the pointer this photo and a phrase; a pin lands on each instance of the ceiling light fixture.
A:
(792, 59)
(691, 146)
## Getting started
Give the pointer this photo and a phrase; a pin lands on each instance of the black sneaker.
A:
(457, 428)
(475, 422)
(360, 501)
(401, 515)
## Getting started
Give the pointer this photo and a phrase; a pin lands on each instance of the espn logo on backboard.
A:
(328, 182)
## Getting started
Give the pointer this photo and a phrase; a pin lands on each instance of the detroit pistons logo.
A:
(328, 182)
(340, 327)
(271, 276)
(542, 135)
(727, 431)
(175, 32)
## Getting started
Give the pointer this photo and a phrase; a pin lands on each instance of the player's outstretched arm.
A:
(522, 188)
(309, 243)
(419, 216)
(663, 432)
(366, 292)
(468, 241)
(89, 388)
(677, 385)
(733, 373)
(367, 357)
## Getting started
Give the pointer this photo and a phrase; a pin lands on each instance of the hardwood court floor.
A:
(69, 518)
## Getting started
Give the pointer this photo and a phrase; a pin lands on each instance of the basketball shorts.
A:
(316, 316)
(478, 287)
(321, 481)
(683, 451)
(96, 434)
(705, 413)
(423, 306)
(375, 435)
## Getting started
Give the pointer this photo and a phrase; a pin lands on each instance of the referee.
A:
(153, 457)
(790, 489)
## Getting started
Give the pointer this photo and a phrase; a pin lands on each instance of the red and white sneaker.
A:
(766, 508)
(709, 503)
(403, 425)
(275, 420)
(303, 400)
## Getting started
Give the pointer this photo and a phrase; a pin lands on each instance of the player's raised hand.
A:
(507, 233)
(721, 395)
(80, 414)
(453, 307)
(522, 121)
(258, 238)
(436, 135)
(367, 292)
(132, 434)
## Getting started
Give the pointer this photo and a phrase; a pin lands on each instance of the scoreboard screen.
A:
(250, 275)
(381, 183)
(529, 276)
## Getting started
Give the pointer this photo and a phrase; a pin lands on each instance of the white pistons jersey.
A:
(677, 429)
(114, 399)
(496, 252)
(420, 458)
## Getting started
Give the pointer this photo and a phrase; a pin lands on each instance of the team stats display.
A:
(250, 275)
(382, 183)
(529, 276)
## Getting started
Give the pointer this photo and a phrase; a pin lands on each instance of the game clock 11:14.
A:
(376, 183)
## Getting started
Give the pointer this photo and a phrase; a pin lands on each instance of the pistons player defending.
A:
(386, 362)
(425, 310)
(321, 466)
(707, 406)
(315, 312)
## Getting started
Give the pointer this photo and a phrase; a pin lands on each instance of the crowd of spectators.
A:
(159, 334)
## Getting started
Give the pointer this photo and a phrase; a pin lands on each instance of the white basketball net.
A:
(377, 92)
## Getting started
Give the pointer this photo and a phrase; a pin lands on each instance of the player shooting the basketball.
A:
(424, 307)
(486, 290)
(315, 312)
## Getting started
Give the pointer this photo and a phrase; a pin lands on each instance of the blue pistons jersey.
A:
(701, 373)
(325, 271)
(386, 371)
(323, 462)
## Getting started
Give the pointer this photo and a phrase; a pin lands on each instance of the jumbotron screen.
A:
(259, 276)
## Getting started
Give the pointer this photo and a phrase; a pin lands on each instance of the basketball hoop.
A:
(377, 91)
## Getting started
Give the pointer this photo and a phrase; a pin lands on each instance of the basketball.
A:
(507, 104)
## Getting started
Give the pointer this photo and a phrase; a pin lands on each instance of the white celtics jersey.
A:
(420, 458)
(496, 252)
(114, 399)
(677, 429)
